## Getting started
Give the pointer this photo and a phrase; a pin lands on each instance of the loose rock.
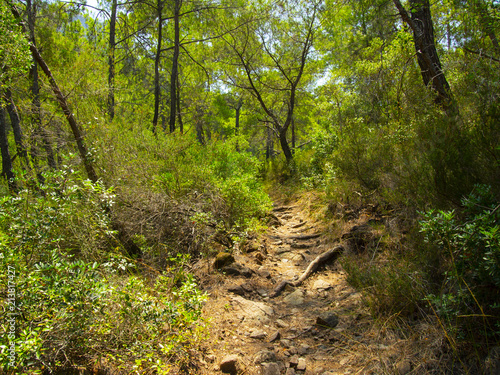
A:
(295, 298)
(258, 334)
(270, 369)
(301, 366)
(275, 336)
(229, 365)
(264, 356)
(328, 319)
(257, 311)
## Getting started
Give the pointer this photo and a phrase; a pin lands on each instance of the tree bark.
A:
(35, 90)
(174, 77)
(7, 171)
(77, 134)
(420, 22)
(239, 104)
(159, 9)
(111, 60)
(15, 122)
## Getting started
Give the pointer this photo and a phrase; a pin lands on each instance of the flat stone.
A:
(301, 366)
(281, 324)
(328, 319)
(290, 371)
(257, 311)
(264, 356)
(264, 273)
(295, 298)
(229, 365)
(303, 349)
(270, 369)
(258, 334)
(321, 285)
(236, 269)
(293, 361)
(275, 336)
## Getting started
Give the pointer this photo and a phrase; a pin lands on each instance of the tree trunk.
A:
(77, 134)
(269, 144)
(157, 65)
(199, 126)
(111, 60)
(35, 90)
(285, 146)
(420, 21)
(179, 114)
(7, 171)
(293, 136)
(237, 124)
(15, 122)
(175, 67)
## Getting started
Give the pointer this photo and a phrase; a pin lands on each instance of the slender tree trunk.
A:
(111, 60)
(269, 144)
(285, 146)
(7, 171)
(174, 98)
(77, 134)
(157, 65)
(35, 90)
(293, 136)
(179, 113)
(15, 122)
(237, 124)
(199, 126)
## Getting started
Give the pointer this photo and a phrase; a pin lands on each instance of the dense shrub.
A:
(68, 295)
(468, 242)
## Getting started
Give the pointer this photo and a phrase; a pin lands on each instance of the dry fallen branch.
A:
(327, 256)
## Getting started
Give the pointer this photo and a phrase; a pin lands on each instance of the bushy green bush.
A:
(468, 242)
(67, 293)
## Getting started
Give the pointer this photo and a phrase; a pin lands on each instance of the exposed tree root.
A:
(327, 256)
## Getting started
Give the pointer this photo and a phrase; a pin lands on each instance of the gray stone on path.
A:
(264, 356)
(251, 310)
(270, 369)
(321, 285)
(328, 319)
(295, 298)
(258, 334)
(301, 366)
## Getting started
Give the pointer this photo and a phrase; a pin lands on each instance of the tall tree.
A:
(111, 59)
(174, 77)
(420, 21)
(7, 170)
(272, 54)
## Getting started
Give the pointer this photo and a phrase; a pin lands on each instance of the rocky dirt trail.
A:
(318, 327)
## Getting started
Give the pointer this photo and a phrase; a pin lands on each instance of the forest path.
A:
(319, 327)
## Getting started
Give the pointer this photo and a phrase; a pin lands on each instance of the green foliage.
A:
(71, 297)
(469, 244)
(15, 57)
